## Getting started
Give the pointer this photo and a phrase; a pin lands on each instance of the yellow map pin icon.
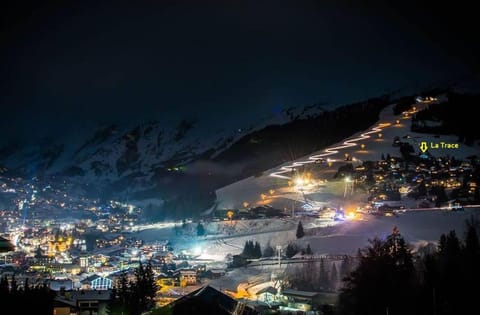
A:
(423, 146)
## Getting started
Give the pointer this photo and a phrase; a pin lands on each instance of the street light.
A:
(348, 186)
(299, 181)
(279, 251)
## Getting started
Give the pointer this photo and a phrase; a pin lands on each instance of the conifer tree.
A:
(333, 277)
(384, 279)
(345, 267)
(291, 250)
(257, 250)
(300, 233)
(150, 286)
(200, 229)
(308, 251)
(268, 251)
(472, 245)
(248, 249)
(323, 278)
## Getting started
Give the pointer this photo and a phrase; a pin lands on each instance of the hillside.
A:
(181, 162)
(453, 117)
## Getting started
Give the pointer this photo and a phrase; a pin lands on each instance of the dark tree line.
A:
(268, 251)
(292, 249)
(403, 104)
(389, 279)
(26, 298)
(455, 117)
(384, 280)
(318, 276)
(252, 250)
(134, 297)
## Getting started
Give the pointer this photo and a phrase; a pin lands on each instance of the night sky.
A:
(64, 63)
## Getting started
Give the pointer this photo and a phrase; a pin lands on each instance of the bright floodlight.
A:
(347, 179)
(299, 181)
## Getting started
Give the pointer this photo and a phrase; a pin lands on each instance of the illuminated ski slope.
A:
(328, 152)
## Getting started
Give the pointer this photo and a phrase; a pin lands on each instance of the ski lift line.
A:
(330, 151)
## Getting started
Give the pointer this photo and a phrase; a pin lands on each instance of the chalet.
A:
(208, 300)
(96, 282)
(83, 302)
(267, 294)
(186, 276)
(301, 300)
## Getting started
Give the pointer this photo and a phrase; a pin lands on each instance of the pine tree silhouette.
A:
(300, 233)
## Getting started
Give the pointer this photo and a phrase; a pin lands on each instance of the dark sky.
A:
(66, 62)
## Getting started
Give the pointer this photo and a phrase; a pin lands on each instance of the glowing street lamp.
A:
(279, 254)
(348, 186)
(299, 181)
(351, 215)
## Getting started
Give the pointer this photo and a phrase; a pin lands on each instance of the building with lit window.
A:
(186, 276)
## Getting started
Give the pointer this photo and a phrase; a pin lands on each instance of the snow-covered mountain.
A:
(137, 151)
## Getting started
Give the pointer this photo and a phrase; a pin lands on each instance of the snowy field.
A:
(324, 236)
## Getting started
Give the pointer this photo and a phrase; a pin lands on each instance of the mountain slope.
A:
(110, 154)
(180, 162)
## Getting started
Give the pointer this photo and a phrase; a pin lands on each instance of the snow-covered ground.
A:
(325, 238)
(347, 237)
(377, 140)
(324, 235)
